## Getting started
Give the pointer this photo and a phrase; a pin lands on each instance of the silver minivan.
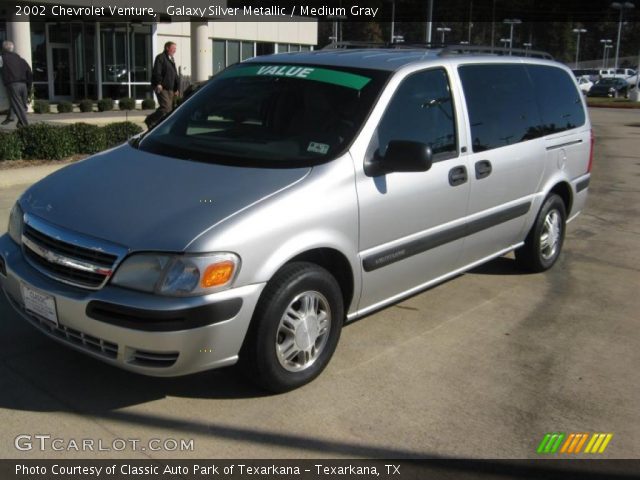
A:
(293, 194)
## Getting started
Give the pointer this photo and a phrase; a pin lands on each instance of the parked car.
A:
(591, 74)
(292, 194)
(585, 84)
(610, 87)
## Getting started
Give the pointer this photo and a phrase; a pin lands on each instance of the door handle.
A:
(457, 175)
(483, 169)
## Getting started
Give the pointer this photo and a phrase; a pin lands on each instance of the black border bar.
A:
(440, 468)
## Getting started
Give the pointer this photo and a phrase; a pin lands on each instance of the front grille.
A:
(69, 335)
(99, 258)
(154, 359)
(66, 261)
(74, 276)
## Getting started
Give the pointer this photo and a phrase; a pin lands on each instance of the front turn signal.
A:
(217, 274)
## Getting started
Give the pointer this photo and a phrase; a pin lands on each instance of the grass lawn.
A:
(603, 102)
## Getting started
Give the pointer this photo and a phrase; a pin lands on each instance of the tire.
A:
(295, 328)
(544, 242)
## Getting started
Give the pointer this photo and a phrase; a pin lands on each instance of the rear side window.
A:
(501, 104)
(421, 110)
(559, 99)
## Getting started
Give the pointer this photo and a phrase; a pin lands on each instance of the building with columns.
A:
(72, 60)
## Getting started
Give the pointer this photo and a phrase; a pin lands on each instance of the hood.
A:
(145, 201)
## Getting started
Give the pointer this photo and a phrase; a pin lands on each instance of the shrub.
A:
(10, 146)
(120, 132)
(87, 138)
(41, 106)
(47, 142)
(127, 103)
(105, 104)
(148, 104)
(65, 107)
(86, 105)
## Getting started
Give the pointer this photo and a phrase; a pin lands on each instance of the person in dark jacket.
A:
(165, 83)
(17, 78)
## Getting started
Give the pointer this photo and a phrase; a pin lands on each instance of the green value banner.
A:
(335, 77)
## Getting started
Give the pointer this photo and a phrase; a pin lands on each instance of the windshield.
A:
(270, 115)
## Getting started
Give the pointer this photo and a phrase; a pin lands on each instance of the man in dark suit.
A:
(17, 78)
(165, 83)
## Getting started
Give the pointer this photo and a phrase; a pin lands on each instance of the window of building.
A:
(559, 99)
(247, 50)
(39, 60)
(263, 48)
(229, 52)
(140, 54)
(233, 52)
(219, 56)
(3, 32)
(126, 60)
(421, 110)
(502, 105)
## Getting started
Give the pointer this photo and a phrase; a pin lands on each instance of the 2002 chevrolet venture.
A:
(294, 193)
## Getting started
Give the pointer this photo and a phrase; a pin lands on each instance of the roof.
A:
(376, 58)
(381, 58)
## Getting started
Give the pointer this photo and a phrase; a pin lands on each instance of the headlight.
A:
(16, 221)
(177, 275)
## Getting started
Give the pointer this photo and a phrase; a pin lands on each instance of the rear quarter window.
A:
(559, 100)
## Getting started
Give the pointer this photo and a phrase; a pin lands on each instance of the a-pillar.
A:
(19, 32)
(200, 52)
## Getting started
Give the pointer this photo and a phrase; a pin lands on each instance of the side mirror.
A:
(401, 156)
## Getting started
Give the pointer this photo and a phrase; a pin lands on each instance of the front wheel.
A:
(295, 329)
(543, 244)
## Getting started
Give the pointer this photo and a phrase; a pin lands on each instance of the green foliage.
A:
(86, 105)
(42, 141)
(148, 104)
(127, 103)
(120, 132)
(41, 106)
(10, 146)
(65, 107)
(87, 138)
(105, 104)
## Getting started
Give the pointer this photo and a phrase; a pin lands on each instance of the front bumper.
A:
(136, 331)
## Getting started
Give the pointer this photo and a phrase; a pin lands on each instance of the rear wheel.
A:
(544, 242)
(295, 329)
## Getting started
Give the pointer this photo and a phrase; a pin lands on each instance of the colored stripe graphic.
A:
(543, 443)
(551, 442)
(582, 442)
(598, 442)
(573, 443)
(565, 447)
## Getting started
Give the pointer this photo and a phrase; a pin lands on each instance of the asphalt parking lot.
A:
(481, 366)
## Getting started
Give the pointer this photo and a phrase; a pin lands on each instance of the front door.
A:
(410, 231)
(60, 71)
